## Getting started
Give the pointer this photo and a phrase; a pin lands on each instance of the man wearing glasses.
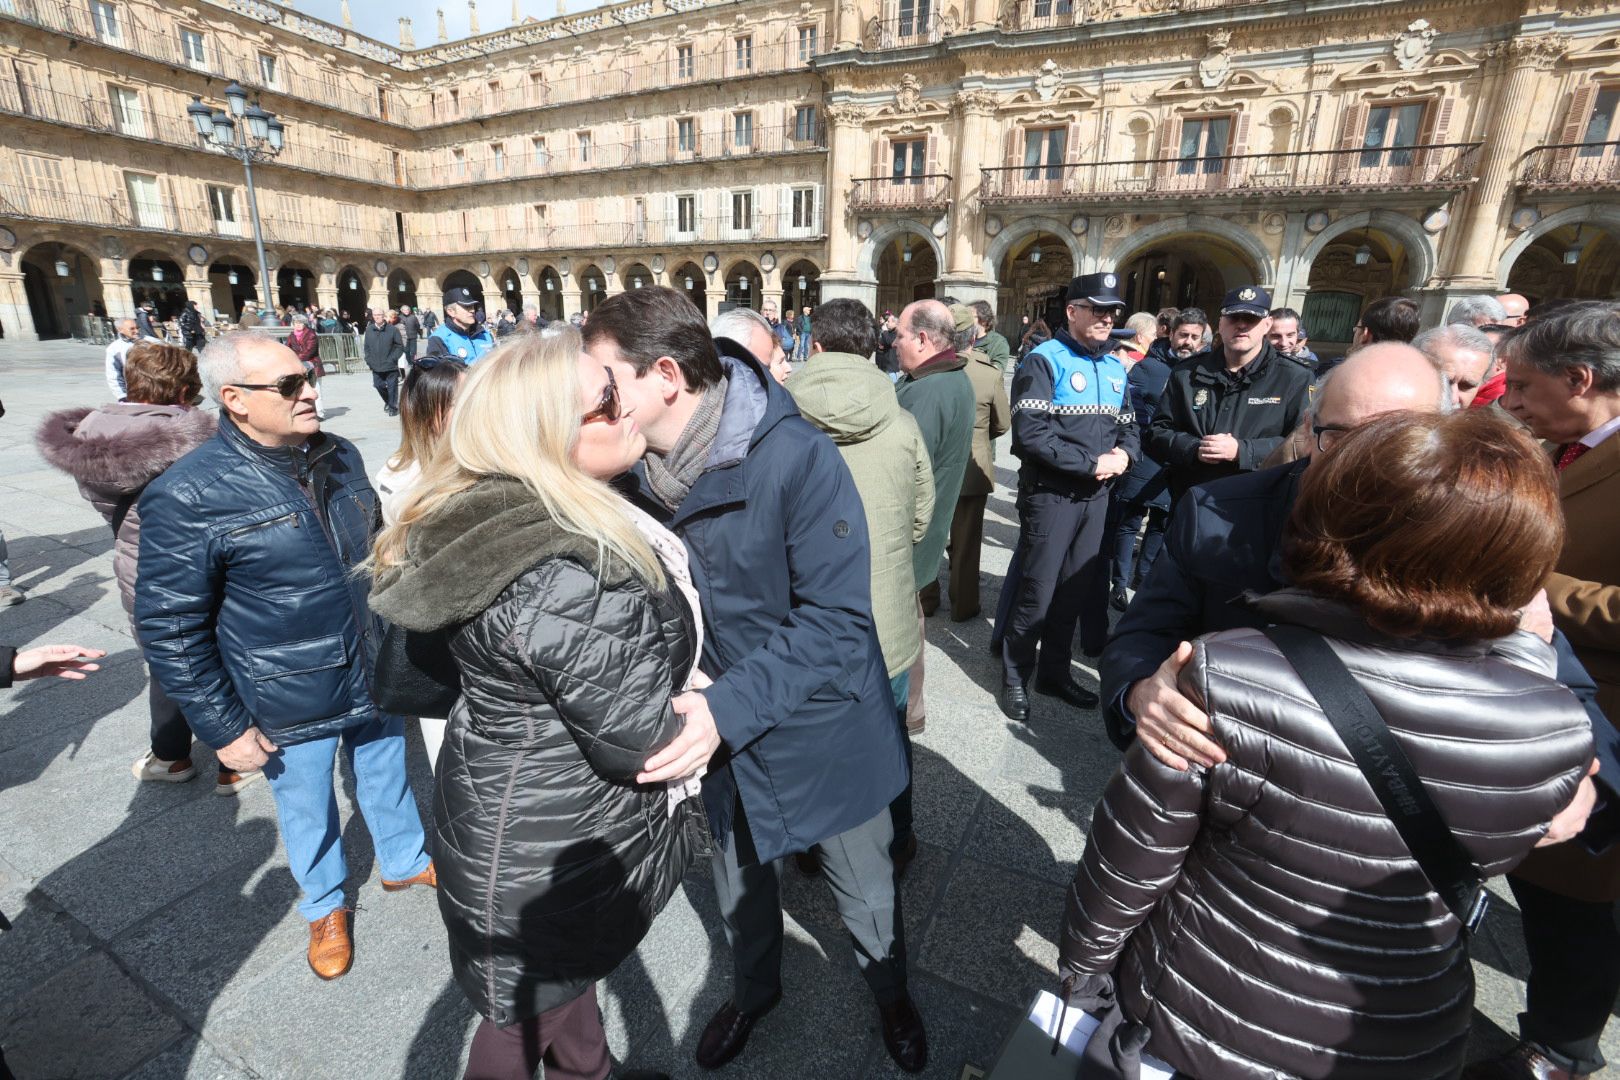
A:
(461, 336)
(254, 619)
(1225, 412)
(1073, 430)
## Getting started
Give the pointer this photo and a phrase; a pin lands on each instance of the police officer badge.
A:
(1199, 399)
(1078, 382)
(1246, 295)
(1110, 281)
(462, 352)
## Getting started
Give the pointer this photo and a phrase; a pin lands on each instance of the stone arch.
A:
(1606, 217)
(60, 304)
(742, 282)
(1011, 234)
(872, 247)
(1121, 250)
(1418, 244)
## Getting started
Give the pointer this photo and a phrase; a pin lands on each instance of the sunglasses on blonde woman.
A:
(608, 408)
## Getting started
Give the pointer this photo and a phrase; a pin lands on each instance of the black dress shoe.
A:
(808, 862)
(1065, 688)
(903, 1035)
(1523, 1062)
(1015, 703)
(727, 1033)
(1119, 600)
(641, 1074)
(904, 853)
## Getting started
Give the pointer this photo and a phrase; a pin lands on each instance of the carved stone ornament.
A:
(941, 227)
(1436, 219)
(111, 247)
(1274, 223)
(197, 254)
(908, 99)
(863, 229)
(1524, 217)
(523, 267)
(1317, 220)
(1079, 224)
(872, 34)
(381, 268)
(1542, 51)
(328, 264)
(1007, 16)
(657, 264)
(992, 225)
(1217, 63)
(1412, 44)
(1046, 83)
(846, 114)
(977, 102)
(608, 265)
(8, 239)
(1114, 226)
(483, 269)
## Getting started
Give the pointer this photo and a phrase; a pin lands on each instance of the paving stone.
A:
(90, 1020)
(996, 933)
(189, 1059)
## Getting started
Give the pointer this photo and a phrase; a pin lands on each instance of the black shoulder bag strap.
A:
(1385, 765)
(121, 510)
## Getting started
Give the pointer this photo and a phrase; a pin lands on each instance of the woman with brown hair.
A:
(113, 452)
(1265, 917)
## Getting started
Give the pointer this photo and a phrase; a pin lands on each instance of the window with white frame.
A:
(743, 52)
(269, 69)
(804, 208)
(910, 160)
(349, 219)
(145, 204)
(539, 152)
(222, 205)
(1391, 129)
(742, 131)
(128, 116)
(41, 174)
(1204, 142)
(192, 47)
(497, 158)
(807, 43)
(458, 158)
(742, 210)
(686, 135)
(104, 20)
(582, 145)
(686, 214)
(1600, 124)
(1043, 152)
(685, 68)
(804, 124)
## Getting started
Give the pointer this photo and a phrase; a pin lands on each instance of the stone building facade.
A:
(762, 151)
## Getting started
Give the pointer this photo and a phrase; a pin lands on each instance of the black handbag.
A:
(416, 675)
(1381, 760)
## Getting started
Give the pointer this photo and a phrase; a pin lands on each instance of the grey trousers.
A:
(5, 564)
(858, 867)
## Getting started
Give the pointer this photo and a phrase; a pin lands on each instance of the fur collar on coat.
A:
(128, 451)
(469, 551)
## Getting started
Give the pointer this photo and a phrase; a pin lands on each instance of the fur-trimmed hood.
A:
(122, 447)
(475, 545)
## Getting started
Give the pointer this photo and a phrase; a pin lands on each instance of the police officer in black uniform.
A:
(1073, 430)
(1224, 411)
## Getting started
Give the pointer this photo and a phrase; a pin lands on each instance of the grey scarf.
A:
(672, 475)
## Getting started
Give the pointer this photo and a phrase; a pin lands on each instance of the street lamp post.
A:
(262, 137)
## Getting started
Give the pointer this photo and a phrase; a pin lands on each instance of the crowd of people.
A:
(655, 588)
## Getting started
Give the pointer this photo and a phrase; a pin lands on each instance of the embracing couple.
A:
(653, 571)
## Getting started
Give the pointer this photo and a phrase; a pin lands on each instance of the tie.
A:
(1568, 454)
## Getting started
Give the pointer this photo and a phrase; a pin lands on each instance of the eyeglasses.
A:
(609, 407)
(288, 386)
(1327, 435)
(1097, 312)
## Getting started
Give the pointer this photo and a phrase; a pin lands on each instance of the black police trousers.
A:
(1063, 583)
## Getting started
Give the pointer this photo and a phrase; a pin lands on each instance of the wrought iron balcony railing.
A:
(1429, 167)
(603, 236)
(1593, 166)
(923, 191)
(917, 24)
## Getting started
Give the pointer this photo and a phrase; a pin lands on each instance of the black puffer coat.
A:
(1265, 916)
(552, 861)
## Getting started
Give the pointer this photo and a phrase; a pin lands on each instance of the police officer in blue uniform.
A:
(1073, 430)
(461, 336)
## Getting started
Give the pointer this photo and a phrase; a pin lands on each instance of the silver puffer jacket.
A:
(1265, 916)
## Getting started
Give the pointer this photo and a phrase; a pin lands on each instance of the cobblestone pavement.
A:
(155, 933)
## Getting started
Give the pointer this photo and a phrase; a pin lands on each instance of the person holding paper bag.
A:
(1266, 916)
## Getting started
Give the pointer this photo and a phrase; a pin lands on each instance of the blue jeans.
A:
(300, 778)
(1129, 569)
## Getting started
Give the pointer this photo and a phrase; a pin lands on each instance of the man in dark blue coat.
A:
(798, 730)
(1225, 539)
(254, 620)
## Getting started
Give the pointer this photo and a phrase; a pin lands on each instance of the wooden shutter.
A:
(1436, 126)
(1236, 167)
(880, 164)
(1575, 121)
(936, 147)
(1071, 146)
(1354, 129)
(1170, 146)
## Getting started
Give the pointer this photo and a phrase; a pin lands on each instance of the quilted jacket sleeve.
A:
(596, 652)
(1141, 830)
(178, 583)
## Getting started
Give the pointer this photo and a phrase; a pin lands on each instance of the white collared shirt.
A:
(1594, 437)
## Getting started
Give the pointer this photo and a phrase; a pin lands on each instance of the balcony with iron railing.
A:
(471, 102)
(1390, 170)
(1592, 166)
(925, 191)
(602, 236)
(125, 32)
(570, 157)
(917, 25)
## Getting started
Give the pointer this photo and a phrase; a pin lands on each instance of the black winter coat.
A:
(382, 348)
(1259, 406)
(552, 860)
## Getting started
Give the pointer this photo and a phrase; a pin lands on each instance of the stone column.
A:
(429, 297)
(115, 289)
(1489, 205)
(199, 288)
(964, 256)
(844, 161)
(326, 291)
(14, 311)
(847, 26)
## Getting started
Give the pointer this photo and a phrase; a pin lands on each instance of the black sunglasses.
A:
(609, 407)
(288, 386)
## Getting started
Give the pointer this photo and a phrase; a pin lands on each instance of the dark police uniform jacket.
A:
(1259, 406)
(1069, 407)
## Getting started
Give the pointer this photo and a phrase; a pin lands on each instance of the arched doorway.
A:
(401, 289)
(592, 287)
(352, 293)
(156, 277)
(1185, 270)
(745, 287)
(231, 287)
(907, 270)
(1354, 269)
(801, 286)
(635, 276)
(511, 287)
(551, 296)
(1032, 278)
(1577, 262)
(63, 286)
(688, 281)
(295, 287)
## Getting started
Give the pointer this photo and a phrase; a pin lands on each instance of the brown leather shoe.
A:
(903, 1035)
(727, 1033)
(428, 877)
(1523, 1062)
(331, 952)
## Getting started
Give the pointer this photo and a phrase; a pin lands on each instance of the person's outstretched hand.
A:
(62, 661)
(691, 749)
(1168, 724)
(1572, 818)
